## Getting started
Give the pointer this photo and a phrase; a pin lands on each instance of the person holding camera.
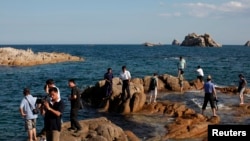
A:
(210, 95)
(27, 105)
(53, 115)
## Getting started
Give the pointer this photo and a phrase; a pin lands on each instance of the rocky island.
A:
(18, 57)
(247, 43)
(205, 40)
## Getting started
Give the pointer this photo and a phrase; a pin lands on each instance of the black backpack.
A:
(152, 84)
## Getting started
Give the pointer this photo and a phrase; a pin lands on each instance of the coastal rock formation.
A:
(18, 57)
(199, 40)
(95, 95)
(148, 44)
(138, 87)
(175, 42)
(231, 90)
(187, 123)
(247, 43)
(99, 129)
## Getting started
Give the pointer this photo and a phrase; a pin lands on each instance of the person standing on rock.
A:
(181, 65)
(75, 99)
(25, 109)
(153, 88)
(50, 83)
(125, 77)
(241, 88)
(200, 73)
(53, 115)
(210, 95)
(108, 77)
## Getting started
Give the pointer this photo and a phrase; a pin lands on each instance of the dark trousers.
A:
(125, 87)
(108, 87)
(200, 78)
(208, 97)
(73, 119)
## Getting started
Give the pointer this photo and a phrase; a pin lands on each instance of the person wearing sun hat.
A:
(210, 94)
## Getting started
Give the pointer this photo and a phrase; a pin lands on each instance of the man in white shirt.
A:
(200, 73)
(125, 77)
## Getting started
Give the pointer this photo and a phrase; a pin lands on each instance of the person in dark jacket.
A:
(74, 98)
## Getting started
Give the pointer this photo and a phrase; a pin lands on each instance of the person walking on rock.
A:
(210, 95)
(25, 109)
(241, 88)
(125, 76)
(74, 98)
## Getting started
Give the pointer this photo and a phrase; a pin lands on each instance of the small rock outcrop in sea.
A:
(175, 42)
(148, 44)
(97, 129)
(199, 40)
(247, 43)
(18, 57)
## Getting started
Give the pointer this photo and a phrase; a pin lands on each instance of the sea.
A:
(223, 64)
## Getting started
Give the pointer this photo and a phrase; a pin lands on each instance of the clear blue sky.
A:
(122, 21)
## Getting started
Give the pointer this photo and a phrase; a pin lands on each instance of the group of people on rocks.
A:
(209, 87)
(51, 108)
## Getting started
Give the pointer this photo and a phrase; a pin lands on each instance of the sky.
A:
(122, 21)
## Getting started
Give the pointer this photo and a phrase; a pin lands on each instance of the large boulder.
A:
(18, 57)
(199, 40)
(247, 43)
(95, 95)
(98, 129)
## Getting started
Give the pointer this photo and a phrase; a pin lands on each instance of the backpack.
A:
(152, 84)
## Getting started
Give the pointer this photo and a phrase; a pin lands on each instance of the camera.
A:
(40, 99)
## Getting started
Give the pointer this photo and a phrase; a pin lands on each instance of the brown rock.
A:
(131, 136)
(18, 57)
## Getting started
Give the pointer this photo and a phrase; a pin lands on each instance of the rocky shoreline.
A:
(187, 123)
(18, 57)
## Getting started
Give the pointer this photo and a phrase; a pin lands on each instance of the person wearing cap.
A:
(241, 88)
(210, 94)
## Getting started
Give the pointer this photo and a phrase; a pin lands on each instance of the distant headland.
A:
(18, 57)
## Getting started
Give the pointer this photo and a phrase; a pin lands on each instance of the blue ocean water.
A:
(224, 64)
